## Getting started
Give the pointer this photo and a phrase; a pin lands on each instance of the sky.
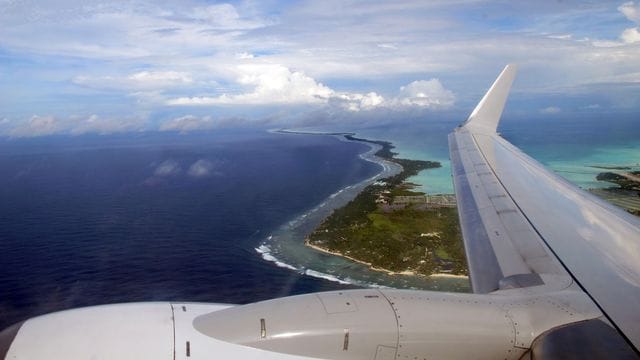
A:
(77, 67)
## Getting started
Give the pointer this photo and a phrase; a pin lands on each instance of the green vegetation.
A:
(396, 238)
(626, 194)
(625, 183)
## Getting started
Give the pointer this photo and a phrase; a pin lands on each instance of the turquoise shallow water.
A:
(582, 172)
(570, 147)
(421, 140)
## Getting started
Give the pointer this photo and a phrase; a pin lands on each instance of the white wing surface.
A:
(525, 226)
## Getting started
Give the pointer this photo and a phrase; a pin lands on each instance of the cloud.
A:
(37, 126)
(631, 11)
(187, 123)
(224, 17)
(118, 30)
(74, 125)
(606, 43)
(157, 78)
(167, 168)
(561, 36)
(357, 102)
(630, 36)
(276, 84)
(550, 110)
(388, 46)
(200, 168)
(426, 93)
(336, 54)
(153, 80)
(270, 84)
(244, 55)
(96, 124)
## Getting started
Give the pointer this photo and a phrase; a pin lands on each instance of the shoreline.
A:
(337, 199)
(374, 268)
(300, 132)
(384, 153)
(285, 247)
(369, 155)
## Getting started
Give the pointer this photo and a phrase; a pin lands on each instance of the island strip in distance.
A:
(393, 228)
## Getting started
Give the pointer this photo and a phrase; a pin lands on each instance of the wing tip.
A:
(486, 115)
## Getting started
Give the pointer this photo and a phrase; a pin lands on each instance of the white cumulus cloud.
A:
(276, 84)
(357, 102)
(631, 11)
(631, 35)
(426, 93)
(269, 84)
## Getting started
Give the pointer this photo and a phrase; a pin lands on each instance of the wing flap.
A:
(484, 269)
(499, 241)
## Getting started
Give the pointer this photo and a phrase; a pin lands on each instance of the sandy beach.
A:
(387, 271)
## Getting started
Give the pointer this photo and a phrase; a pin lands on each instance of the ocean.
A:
(158, 217)
(221, 216)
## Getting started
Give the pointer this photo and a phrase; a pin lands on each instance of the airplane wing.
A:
(555, 271)
(525, 226)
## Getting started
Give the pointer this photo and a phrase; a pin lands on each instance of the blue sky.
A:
(69, 67)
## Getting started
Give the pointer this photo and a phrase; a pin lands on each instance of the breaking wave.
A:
(265, 252)
(286, 249)
(320, 275)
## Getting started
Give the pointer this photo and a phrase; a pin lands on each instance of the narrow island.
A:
(392, 228)
(626, 193)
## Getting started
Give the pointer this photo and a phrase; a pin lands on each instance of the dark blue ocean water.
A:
(103, 219)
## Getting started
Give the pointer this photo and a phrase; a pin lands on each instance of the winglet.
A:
(486, 116)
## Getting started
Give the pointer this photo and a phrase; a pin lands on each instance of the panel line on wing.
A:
(484, 269)
(517, 248)
(521, 233)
